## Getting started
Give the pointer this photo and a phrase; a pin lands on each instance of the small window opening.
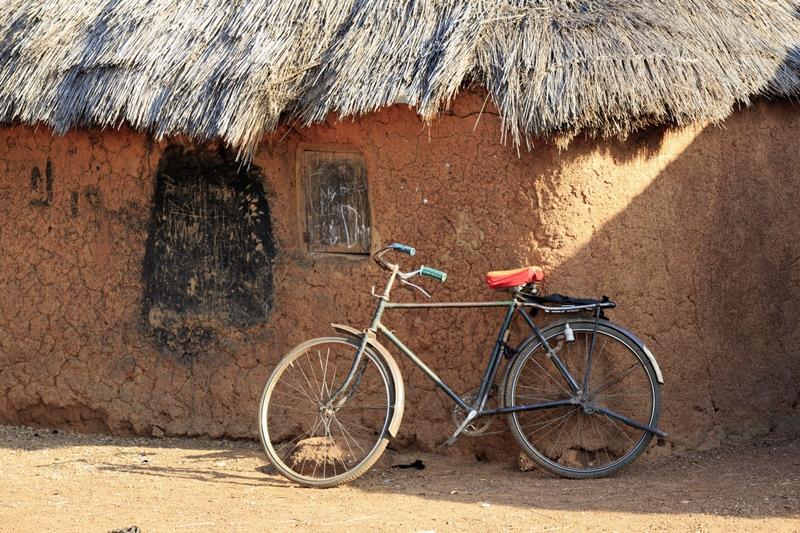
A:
(336, 201)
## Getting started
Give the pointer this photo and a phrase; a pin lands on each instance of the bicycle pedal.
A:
(446, 444)
(449, 442)
(454, 437)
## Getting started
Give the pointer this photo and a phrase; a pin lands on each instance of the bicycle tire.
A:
(271, 439)
(581, 455)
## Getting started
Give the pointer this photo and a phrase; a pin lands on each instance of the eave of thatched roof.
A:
(233, 70)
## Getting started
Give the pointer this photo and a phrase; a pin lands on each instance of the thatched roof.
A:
(232, 69)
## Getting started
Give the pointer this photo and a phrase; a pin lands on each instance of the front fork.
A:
(339, 397)
(354, 376)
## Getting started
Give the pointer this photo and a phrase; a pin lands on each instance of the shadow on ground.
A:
(748, 481)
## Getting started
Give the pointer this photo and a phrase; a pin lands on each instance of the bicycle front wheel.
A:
(315, 441)
(581, 440)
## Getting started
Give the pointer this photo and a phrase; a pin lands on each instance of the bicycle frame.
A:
(514, 306)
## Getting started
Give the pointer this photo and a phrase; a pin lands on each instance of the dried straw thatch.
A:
(233, 69)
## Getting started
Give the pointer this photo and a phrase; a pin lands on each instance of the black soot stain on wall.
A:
(208, 263)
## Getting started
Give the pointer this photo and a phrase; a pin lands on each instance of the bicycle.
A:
(582, 396)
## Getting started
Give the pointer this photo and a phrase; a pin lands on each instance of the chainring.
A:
(479, 426)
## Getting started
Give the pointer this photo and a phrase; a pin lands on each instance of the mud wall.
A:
(691, 231)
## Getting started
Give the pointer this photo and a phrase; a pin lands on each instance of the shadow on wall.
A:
(688, 230)
(704, 266)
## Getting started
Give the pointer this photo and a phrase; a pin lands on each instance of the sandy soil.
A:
(68, 482)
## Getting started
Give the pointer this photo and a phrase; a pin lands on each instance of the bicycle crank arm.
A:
(633, 423)
(454, 437)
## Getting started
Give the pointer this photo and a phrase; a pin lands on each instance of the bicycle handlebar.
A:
(404, 248)
(433, 273)
(410, 250)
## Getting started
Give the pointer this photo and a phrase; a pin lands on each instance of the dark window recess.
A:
(336, 202)
(209, 253)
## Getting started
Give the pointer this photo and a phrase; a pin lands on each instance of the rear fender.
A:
(534, 341)
(644, 348)
(397, 377)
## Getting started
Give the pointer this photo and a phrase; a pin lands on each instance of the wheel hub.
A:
(581, 398)
(587, 406)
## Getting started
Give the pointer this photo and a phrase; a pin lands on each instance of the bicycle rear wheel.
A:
(581, 441)
(311, 440)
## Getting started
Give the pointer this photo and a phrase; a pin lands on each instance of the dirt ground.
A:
(69, 482)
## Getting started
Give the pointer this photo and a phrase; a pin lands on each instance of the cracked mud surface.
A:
(75, 482)
(685, 229)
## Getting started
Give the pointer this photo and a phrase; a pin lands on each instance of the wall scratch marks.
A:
(337, 202)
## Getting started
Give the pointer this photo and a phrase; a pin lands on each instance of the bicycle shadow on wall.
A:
(698, 261)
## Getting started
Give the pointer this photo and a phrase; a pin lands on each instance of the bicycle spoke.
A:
(293, 408)
(619, 428)
(325, 464)
(302, 390)
(551, 376)
(323, 370)
(297, 403)
(553, 428)
(539, 398)
(363, 391)
(564, 425)
(299, 439)
(355, 434)
(587, 366)
(331, 388)
(627, 395)
(342, 459)
(314, 375)
(546, 422)
(580, 440)
(614, 380)
(361, 426)
(531, 387)
(298, 388)
(344, 434)
(310, 386)
(600, 437)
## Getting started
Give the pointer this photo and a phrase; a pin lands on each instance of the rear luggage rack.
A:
(560, 303)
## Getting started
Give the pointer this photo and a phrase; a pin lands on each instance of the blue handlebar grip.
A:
(433, 273)
(406, 249)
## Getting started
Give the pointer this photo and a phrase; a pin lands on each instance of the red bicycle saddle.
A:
(502, 279)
